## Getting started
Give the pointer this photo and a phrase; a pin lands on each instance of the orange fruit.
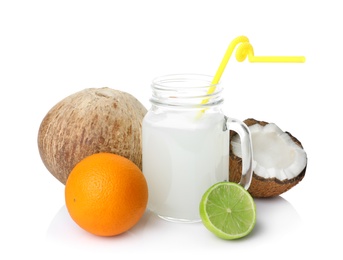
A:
(106, 194)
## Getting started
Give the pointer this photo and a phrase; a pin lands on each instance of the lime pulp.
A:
(228, 210)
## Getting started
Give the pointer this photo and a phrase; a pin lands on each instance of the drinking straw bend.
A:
(244, 50)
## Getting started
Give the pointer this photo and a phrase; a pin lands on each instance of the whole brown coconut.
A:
(90, 121)
(261, 187)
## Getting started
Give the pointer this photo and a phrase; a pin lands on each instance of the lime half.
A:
(228, 210)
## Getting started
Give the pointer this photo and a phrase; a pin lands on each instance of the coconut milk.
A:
(182, 157)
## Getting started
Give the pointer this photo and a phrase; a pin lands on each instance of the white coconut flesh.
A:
(275, 154)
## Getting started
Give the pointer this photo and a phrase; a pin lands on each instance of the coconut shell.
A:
(261, 187)
(90, 121)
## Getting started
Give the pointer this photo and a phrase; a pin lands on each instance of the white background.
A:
(51, 49)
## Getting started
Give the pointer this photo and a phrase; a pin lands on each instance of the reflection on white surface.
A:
(276, 218)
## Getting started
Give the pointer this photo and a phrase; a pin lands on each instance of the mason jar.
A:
(185, 142)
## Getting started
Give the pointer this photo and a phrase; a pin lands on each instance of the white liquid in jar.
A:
(182, 157)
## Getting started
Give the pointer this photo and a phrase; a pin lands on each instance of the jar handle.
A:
(246, 145)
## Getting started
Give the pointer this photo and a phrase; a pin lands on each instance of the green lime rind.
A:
(228, 210)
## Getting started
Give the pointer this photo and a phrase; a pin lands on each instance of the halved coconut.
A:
(279, 160)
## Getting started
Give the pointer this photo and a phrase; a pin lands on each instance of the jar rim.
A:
(186, 90)
(173, 81)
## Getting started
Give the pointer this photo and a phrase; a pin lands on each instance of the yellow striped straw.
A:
(244, 50)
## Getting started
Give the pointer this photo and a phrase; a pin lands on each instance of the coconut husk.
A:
(90, 121)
